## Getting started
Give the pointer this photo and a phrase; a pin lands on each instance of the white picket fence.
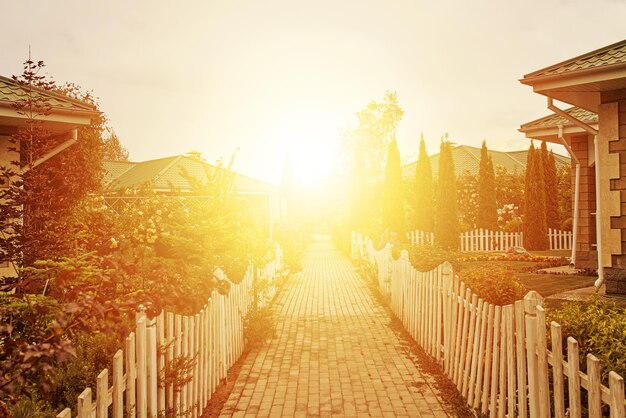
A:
(421, 238)
(212, 340)
(483, 240)
(560, 240)
(497, 356)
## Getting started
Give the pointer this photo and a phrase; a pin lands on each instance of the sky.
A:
(272, 76)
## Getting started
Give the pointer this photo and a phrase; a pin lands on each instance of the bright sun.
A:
(312, 148)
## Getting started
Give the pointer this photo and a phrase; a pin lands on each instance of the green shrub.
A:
(94, 352)
(259, 326)
(493, 284)
(427, 257)
(600, 329)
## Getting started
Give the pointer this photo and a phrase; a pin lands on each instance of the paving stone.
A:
(333, 353)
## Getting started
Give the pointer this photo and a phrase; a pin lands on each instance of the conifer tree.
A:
(487, 216)
(424, 208)
(393, 202)
(446, 216)
(535, 227)
(550, 187)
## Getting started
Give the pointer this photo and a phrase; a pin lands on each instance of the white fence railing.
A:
(421, 238)
(497, 356)
(211, 341)
(483, 240)
(560, 240)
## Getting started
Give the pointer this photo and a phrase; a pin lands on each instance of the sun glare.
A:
(312, 149)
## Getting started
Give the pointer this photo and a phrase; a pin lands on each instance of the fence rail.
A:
(497, 356)
(210, 342)
(489, 241)
(483, 240)
(560, 240)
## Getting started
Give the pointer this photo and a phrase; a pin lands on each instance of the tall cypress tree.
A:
(446, 216)
(393, 202)
(535, 226)
(424, 208)
(550, 186)
(487, 216)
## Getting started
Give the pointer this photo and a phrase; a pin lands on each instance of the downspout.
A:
(576, 192)
(593, 132)
(66, 144)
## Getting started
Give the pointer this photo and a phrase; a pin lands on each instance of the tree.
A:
(113, 149)
(535, 226)
(43, 196)
(424, 208)
(446, 216)
(550, 187)
(487, 217)
(393, 199)
(365, 149)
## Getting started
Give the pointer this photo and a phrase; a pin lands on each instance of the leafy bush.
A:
(93, 353)
(427, 257)
(600, 329)
(494, 284)
(259, 326)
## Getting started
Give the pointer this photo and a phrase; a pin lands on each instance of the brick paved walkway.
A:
(333, 353)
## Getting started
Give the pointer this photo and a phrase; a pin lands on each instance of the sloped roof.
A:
(609, 55)
(467, 161)
(169, 174)
(552, 121)
(11, 91)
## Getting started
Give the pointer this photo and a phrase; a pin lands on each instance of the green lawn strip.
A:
(545, 284)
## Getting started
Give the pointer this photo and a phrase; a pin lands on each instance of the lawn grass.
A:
(525, 271)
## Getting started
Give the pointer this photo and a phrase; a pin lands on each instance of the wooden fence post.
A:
(84, 404)
(557, 370)
(118, 385)
(616, 387)
(531, 300)
(102, 394)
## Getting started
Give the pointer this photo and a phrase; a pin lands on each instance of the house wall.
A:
(586, 254)
(613, 116)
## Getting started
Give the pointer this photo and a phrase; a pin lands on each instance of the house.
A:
(594, 131)
(65, 116)
(173, 175)
(467, 161)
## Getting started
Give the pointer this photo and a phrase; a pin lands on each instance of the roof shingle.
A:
(11, 91)
(608, 55)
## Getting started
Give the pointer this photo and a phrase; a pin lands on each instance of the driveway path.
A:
(333, 354)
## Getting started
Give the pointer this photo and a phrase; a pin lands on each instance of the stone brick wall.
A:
(586, 256)
(616, 276)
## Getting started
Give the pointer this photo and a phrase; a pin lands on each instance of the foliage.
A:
(393, 216)
(487, 217)
(535, 226)
(428, 257)
(93, 353)
(293, 242)
(600, 329)
(259, 326)
(495, 284)
(467, 201)
(508, 219)
(365, 148)
(565, 193)
(424, 217)
(509, 187)
(550, 186)
(43, 195)
(446, 216)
